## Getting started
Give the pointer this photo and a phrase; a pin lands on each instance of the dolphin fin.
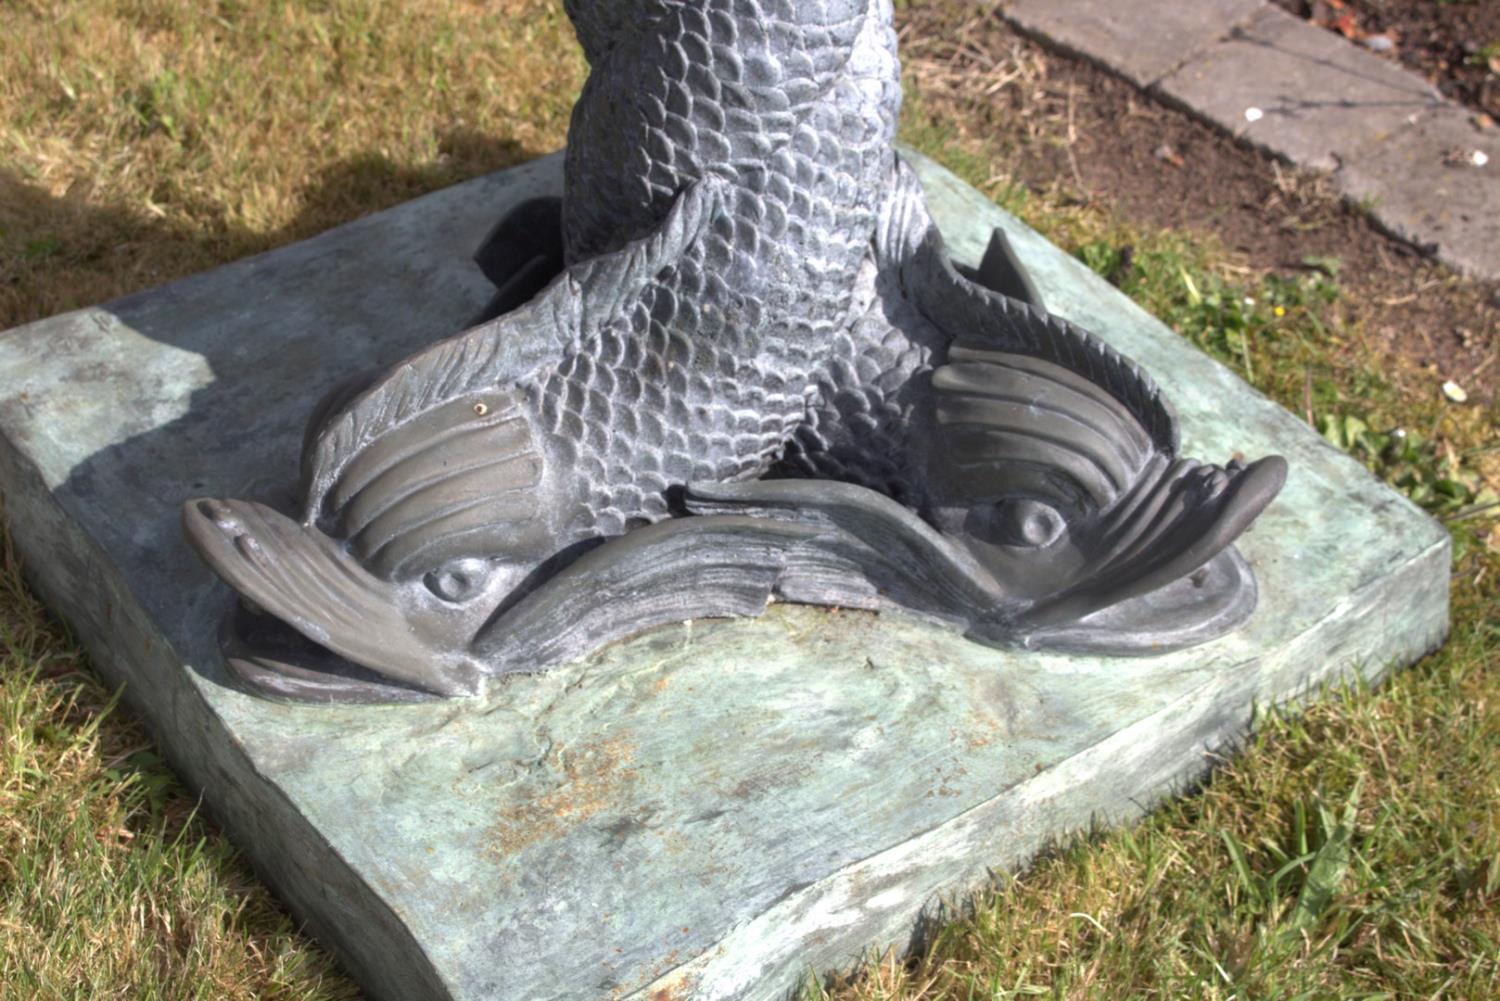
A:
(1001, 270)
(1195, 513)
(1014, 425)
(1028, 405)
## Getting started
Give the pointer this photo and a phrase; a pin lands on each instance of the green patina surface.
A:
(711, 809)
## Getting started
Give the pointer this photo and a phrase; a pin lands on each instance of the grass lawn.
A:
(1351, 851)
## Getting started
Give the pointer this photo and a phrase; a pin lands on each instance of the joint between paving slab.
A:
(1235, 27)
(1192, 54)
(1392, 144)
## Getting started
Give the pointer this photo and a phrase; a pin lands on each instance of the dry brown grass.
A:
(147, 139)
(111, 883)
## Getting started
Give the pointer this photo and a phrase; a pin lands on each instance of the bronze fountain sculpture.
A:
(734, 364)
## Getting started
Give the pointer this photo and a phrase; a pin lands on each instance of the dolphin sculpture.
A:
(733, 364)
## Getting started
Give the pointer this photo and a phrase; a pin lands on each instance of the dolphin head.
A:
(422, 536)
(1061, 491)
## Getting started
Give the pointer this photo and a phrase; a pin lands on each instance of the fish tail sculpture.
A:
(734, 363)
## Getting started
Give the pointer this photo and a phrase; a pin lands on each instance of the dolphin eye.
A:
(458, 581)
(1017, 521)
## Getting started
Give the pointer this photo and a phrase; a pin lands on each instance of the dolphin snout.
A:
(308, 581)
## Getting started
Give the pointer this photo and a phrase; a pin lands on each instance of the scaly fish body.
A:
(751, 279)
(792, 105)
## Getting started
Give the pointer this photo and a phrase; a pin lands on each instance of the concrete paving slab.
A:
(1142, 40)
(1317, 99)
(710, 810)
(1436, 184)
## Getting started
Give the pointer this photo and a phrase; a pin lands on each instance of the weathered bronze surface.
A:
(733, 365)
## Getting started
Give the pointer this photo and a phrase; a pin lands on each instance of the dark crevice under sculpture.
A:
(734, 364)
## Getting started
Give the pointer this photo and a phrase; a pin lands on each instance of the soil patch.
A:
(1063, 125)
(1454, 44)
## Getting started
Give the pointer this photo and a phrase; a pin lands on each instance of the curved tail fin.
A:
(586, 297)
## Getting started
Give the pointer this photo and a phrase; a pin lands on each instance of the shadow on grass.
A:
(116, 542)
(63, 252)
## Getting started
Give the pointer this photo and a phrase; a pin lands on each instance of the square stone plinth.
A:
(710, 810)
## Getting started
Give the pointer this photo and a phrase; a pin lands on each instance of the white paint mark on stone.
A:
(887, 900)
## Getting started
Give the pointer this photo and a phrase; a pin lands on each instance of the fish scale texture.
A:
(754, 289)
(793, 107)
(868, 401)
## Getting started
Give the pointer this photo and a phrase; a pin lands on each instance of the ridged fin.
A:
(1015, 424)
(446, 485)
(980, 318)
